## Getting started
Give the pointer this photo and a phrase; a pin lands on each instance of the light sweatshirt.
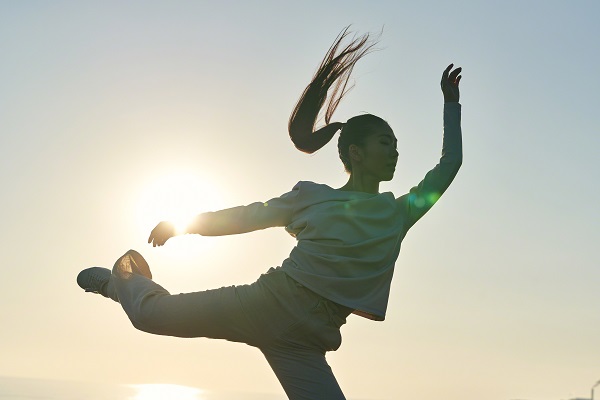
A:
(348, 242)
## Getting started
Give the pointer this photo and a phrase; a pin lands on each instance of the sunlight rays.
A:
(177, 197)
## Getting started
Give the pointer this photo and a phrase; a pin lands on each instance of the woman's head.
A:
(357, 131)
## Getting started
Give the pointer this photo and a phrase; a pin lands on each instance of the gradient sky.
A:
(107, 106)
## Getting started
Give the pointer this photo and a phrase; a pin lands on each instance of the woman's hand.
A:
(450, 81)
(164, 231)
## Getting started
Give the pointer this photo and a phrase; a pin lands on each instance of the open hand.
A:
(161, 233)
(450, 81)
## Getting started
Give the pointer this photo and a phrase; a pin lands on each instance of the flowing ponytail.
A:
(335, 70)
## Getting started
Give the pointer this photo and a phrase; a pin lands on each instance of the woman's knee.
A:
(149, 313)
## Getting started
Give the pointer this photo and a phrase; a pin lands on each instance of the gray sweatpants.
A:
(291, 325)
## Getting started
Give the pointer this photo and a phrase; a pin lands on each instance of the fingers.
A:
(445, 73)
(156, 242)
(451, 77)
(153, 233)
(154, 239)
(454, 75)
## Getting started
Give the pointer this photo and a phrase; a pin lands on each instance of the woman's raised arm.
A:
(423, 196)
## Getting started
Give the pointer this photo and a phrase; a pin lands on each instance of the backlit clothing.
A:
(348, 242)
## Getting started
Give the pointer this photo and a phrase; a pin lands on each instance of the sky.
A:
(115, 115)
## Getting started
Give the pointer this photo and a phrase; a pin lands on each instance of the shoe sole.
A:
(133, 262)
(141, 264)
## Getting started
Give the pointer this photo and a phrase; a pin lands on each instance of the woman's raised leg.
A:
(151, 308)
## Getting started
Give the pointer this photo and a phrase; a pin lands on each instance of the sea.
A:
(16, 388)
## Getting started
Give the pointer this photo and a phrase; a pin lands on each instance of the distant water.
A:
(41, 389)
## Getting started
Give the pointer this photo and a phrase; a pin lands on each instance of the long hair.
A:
(330, 82)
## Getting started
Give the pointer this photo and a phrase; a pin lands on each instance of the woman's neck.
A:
(357, 183)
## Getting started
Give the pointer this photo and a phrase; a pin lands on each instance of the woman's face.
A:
(379, 154)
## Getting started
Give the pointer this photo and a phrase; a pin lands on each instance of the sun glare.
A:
(166, 391)
(176, 197)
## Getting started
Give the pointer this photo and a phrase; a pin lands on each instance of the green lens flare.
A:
(426, 200)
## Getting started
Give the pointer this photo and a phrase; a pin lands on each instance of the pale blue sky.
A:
(497, 290)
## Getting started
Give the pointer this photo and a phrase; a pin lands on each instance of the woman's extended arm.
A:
(423, 196)
(241, 219)
(231, 221)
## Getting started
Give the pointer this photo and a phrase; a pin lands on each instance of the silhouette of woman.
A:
(348, 240)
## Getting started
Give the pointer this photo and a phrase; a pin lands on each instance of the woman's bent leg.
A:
(309, 327)
(304, 374)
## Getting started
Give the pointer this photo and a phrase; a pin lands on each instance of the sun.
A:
(166, 391)
(177, 196)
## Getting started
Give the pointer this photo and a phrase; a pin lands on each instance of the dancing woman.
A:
(348, 242)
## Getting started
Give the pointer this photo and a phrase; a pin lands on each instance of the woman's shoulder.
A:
(311, 189)
(309, 185)
(308, 193)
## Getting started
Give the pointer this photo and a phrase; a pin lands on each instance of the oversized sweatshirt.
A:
(347, 242)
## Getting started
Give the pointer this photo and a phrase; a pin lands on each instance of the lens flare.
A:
(425, 200)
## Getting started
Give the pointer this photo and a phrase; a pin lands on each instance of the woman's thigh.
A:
(216, 313)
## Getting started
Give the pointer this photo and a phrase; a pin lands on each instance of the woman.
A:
(348, 242)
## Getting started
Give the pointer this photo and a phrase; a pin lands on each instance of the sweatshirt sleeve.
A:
(422, 197)
(275, 212)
